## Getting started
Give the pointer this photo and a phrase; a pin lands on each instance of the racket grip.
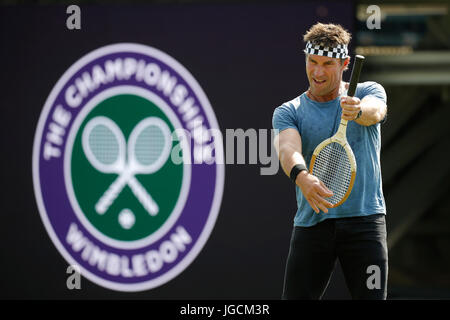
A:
(146, 200)
(354, 78)
(110, 195)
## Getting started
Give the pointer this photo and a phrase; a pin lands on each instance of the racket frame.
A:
(340, 138)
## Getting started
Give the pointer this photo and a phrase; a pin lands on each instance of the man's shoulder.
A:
(292, 104)
(371, 88)
(288, 110)
(369, 84)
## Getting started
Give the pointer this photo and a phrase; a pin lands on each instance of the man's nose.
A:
(318, 71)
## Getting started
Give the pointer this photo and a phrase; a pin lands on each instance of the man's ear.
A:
(346, 62)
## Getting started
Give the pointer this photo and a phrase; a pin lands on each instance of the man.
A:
(354, 232)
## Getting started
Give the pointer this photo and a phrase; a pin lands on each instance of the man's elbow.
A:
(374, 118)
(381, 114)
(276, 144)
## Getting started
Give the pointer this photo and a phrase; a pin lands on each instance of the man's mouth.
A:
(319, 81)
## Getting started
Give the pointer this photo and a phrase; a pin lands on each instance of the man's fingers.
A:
(322, 207)
(313, 205)
(315, 195)
(347, 116)
(350, 100)
(319, 204)
(324, 191)
(350, 108)
(320, 201)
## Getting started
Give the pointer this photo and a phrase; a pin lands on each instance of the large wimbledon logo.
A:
(119, 184)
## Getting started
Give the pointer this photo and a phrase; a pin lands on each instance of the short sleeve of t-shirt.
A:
(371, 88)
(284, 117)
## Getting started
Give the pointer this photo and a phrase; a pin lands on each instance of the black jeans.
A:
(360, 245)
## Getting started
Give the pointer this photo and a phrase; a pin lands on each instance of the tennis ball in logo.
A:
(126, 217)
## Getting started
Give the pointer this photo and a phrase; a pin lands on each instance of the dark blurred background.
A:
(246, 55)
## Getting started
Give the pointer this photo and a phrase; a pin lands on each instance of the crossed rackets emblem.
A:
(147, 150)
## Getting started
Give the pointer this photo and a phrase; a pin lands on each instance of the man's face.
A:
(324, 74)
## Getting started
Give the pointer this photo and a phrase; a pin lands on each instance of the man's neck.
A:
(331, 96)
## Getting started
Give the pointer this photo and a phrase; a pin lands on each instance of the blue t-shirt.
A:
(317, 121)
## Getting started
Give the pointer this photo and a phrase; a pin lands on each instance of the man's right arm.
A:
(288, 145)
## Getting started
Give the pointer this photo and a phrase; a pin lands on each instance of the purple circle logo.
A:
(128, 167)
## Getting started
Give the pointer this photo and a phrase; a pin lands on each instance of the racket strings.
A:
(150, 145)
(103, 144)
(333, 168)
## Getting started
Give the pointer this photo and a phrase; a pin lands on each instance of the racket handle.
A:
(354, 78)
(144, 198)
(111, 194)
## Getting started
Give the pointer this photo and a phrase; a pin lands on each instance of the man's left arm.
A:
(373, 109)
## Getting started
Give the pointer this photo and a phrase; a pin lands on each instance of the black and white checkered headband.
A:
(340, 51)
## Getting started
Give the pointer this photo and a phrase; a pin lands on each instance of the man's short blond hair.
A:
(328, 35)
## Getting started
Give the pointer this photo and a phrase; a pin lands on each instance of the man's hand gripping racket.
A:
(333, 161)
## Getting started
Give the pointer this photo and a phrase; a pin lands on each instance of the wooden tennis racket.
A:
(333, 161)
